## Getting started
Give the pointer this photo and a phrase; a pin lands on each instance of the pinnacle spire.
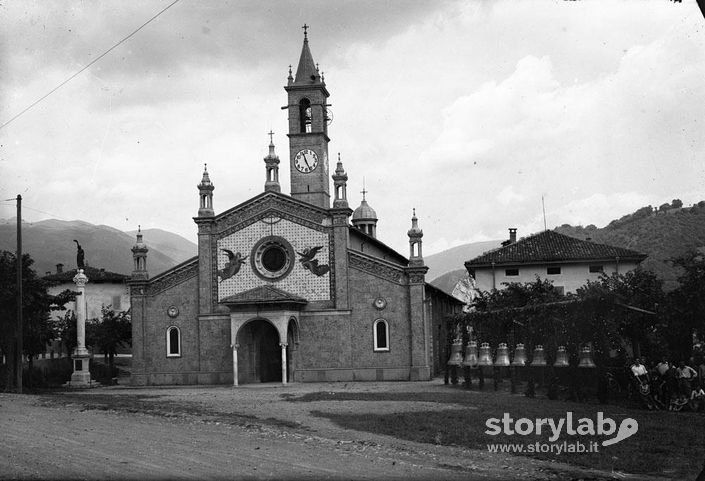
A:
(307, 71)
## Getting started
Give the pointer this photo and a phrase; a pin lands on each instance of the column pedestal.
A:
(81, 376)
(283, 346)
(234, 348)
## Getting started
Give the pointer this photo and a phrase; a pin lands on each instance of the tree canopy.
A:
(617, 315)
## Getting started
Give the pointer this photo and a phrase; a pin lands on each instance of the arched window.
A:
(305, 116)
(381, 334)
(173, 342)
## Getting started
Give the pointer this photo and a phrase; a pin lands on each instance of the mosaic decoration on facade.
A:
(298, 280)
(375, 267)
(172, 278)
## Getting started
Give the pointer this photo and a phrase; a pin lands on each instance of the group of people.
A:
(672, 383)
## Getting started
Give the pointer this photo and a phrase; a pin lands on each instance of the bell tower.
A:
(308, 131)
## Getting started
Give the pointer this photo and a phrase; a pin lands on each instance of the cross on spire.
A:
(305, 27)
(363, 191)
(271, 138)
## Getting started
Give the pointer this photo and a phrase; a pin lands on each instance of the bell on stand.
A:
(456, 359)
(586, 358)
(456, 353)
(539, 358)
(519, 356)
(485, 356)
(561, 358)
(470, 354)
(502, 355)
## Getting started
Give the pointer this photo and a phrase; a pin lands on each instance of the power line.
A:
(89, 64)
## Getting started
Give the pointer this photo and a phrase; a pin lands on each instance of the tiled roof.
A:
(93, 274)
(264, 295)
(550, 246)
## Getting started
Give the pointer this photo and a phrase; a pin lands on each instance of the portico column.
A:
(283, 346)
(234, 348)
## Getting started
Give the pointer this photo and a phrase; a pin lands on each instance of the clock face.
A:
(306, 161)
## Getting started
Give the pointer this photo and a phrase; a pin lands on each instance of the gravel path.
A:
(221, 432)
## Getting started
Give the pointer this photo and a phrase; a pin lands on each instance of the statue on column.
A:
(80, 255)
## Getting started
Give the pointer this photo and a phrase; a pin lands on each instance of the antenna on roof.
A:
(543, 206)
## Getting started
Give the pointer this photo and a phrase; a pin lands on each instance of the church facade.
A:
(288, 287)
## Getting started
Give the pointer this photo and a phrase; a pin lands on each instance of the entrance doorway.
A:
(259, 354)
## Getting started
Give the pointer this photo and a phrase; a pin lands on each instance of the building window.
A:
(272, 258)
(553, 271)
(173, 342)
(381, 335)
(511, 272)
(559, 289)
(116, 303)
(596, 269)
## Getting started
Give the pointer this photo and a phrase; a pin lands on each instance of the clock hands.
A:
(306, 160)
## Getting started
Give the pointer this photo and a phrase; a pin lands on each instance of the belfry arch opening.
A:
(305, 116)
(259, 353)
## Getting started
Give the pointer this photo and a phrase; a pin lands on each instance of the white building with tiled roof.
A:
(568, 262)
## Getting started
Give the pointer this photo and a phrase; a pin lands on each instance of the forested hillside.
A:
(663, 233)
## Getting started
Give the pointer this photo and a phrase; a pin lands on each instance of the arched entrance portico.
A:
(259, 353)
(262, 320)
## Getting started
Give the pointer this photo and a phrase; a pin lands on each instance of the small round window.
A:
(272, 258)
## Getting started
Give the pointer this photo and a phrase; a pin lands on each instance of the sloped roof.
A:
(391, 253)
(94, 275)
(266, 294)
(550, 246)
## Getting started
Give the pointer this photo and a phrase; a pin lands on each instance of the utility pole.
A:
(20, 328)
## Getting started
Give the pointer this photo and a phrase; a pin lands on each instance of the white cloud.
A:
(468, 111)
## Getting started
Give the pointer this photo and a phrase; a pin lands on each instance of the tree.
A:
(109, 333)
(515, 294)
(65, 327)
(677, 203)
(686, 306)
(630, 301)
(37, 303)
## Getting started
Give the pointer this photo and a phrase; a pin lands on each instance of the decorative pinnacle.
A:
(205, 180)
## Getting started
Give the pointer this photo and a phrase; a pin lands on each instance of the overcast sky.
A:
(468, 111)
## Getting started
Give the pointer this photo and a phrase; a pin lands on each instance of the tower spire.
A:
(139, 257)
(307, 71)
(205, 194)
(271, 163)
(415, 234)
(340, 181)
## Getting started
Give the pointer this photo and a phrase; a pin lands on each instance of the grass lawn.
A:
(666, 444)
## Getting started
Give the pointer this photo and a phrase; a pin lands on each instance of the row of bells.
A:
(484, 358)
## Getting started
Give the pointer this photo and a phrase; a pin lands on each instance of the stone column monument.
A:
(81, 375)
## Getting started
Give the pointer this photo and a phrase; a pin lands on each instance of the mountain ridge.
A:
(50, 242)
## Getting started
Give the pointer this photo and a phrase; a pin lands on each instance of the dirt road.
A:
(226, 433)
